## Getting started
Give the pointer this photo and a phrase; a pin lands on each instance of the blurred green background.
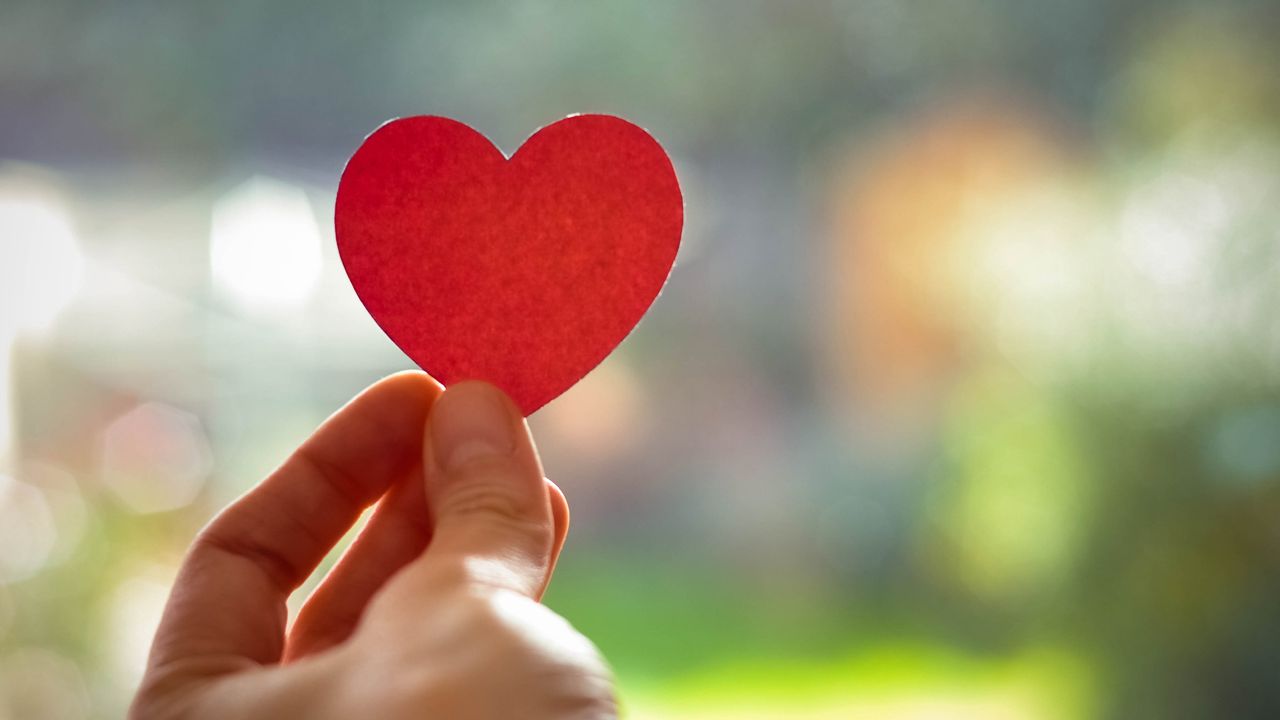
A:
(963, 400)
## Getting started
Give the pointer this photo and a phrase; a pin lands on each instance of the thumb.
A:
(489, 501)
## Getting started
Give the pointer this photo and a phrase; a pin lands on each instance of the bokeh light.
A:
(155, 458)
(27, 530)
(36, 683)
(265, 246)
(66, 504)
(41, 268)
(41, 265)
(134, 610)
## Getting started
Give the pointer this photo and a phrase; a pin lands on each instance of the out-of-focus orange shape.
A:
(898, 205)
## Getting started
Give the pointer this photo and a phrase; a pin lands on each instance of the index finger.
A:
(229, 599)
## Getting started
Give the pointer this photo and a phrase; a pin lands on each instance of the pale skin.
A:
(431, 614)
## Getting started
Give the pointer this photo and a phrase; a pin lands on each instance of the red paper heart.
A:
(524, 272)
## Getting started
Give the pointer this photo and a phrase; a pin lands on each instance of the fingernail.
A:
(470, 421)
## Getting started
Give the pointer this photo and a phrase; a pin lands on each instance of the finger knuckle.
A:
(488, 490)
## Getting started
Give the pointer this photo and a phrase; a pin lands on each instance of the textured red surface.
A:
(524, 272)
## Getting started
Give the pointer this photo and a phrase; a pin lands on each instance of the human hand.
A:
(432, 613)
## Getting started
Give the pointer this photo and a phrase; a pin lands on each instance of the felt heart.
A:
(524, 272)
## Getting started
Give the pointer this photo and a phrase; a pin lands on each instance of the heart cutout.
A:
(524, 272)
